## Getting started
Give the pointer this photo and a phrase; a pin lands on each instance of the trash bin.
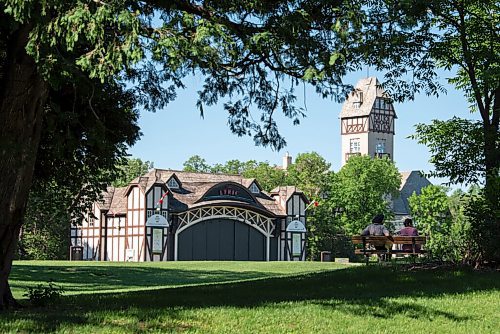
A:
(326, 256)
(76, 253)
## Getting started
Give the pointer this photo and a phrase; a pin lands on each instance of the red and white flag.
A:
(160, 202)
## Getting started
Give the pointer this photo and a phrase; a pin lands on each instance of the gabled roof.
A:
(287, 192)
(411, 182)
(107, 196)
(367, 89)
(174, 177)
(194, 185)
(118, 205)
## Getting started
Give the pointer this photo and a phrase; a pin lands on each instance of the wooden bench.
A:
(393, 244)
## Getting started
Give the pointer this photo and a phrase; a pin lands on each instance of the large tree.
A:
(244, 49)
(466, 41)
(47, 46)
(196, 164)
(363, 188)
(269, 176)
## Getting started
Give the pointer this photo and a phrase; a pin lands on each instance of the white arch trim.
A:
(260, 222)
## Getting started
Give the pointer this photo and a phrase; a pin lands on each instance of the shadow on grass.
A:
(356, 291)
(90, 279)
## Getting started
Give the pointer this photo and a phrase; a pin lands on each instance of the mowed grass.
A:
(101, 277)
(261, 298)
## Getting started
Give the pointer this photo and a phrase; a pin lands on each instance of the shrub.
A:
(43, 295)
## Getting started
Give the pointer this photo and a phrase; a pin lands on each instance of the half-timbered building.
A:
(168, 215)
(367, 121)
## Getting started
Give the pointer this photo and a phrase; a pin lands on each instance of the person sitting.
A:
(409, 231)
(377, 228)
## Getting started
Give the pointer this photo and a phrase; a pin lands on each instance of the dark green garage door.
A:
(221, 239)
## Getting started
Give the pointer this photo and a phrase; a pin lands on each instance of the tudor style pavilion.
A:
(169, 215)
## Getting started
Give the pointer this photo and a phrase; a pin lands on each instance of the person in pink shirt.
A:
(409, 231)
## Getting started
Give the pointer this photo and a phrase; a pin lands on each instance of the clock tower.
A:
(367, 122)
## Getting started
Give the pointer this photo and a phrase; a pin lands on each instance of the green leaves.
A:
(363, 188)
(430, 211)
(456, 147)
(130, 169)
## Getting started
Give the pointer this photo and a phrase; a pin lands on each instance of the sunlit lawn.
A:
(91, 277)
(258, 298)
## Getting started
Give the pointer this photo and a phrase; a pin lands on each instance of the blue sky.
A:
(172, 135)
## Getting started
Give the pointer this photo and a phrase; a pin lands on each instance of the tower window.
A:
(355, 145)
(380, 146)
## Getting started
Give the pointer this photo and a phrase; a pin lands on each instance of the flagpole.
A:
(315, 203)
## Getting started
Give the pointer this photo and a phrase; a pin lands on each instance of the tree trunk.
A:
(492, 162)
(23, 94)
(492, 156)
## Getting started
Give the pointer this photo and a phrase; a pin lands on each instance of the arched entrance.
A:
(223, 233)
(221, 240)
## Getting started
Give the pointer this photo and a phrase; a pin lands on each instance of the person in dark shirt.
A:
(409, 231)
(377, 228)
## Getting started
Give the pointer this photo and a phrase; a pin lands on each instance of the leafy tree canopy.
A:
(130, 169)
(363, 188)
(310, 172)
(456, 147)
(268, 176)
(463, 37)
(196, 164)
(431, 213)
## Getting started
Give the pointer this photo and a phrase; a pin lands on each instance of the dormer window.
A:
(173, 184)
(254, 189)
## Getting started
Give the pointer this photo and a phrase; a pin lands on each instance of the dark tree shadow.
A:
(367, 290)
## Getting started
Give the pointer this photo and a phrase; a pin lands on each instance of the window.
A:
(355, 146)
(254, 189)
(380, 146)
(172, 183)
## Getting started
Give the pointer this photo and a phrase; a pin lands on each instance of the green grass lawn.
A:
(257, 298)
(102, 277)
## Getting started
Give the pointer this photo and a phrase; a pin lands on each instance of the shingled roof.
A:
(194, 185)
(107, 197)
(411, 182)
(114, 200)
(366, 91)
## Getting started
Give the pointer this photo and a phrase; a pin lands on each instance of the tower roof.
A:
(360, 101)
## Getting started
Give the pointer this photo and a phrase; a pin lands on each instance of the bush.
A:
(484, 231)
(43, 295)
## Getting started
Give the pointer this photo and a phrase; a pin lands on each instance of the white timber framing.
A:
(135, 229)
(153, 206)
(260, 222)
(296, 210)
(87, 234)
